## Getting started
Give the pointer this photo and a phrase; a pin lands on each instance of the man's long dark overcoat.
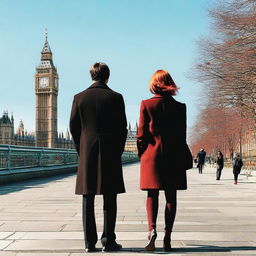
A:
(98, 127)
(162, 146)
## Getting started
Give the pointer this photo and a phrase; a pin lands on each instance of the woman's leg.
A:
(170, 211)
(219, 169)
(220, 172)
(217, 174)
(152, 208)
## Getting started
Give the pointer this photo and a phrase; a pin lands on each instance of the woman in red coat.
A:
(163, 151)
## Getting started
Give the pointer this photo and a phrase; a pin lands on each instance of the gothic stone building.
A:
(23, 138)
(8, 136)
(6, 129)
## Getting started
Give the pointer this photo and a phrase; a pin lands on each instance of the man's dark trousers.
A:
(218, 173)
(90, 231)
(200, 168)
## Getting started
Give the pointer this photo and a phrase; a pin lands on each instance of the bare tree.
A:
(227, 62)
(226, 66)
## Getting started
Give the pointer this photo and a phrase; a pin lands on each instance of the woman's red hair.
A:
(162, 82)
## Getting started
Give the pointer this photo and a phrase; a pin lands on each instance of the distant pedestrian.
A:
(237, 166)
(201, 160)
(220, 164)
(162, 130)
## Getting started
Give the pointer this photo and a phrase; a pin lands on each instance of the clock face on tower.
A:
(43, 82)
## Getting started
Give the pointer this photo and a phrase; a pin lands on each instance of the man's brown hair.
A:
(99, 72)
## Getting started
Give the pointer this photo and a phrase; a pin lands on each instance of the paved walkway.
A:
(43, 217)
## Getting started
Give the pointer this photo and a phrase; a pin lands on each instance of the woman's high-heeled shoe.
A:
(151, 243)
(167, 244)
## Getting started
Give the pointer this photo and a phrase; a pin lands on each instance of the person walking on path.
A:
(237, 166)
(163, 152)
(201, 160)
(98, 127)
(220, 164)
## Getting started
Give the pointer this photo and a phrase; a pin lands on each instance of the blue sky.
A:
(134, 37)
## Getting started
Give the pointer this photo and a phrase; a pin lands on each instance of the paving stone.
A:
(5, 243)
(5, 253)
(4, 235)
(32, 226)
(46, 245)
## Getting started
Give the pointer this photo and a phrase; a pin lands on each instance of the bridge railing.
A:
(129, 157)
(14, 157)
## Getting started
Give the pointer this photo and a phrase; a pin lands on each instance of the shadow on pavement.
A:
(194, 249)
(36, 182)
(245, 182)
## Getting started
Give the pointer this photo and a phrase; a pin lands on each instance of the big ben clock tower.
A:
(46, 89)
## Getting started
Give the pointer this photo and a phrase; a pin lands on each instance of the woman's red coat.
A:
(161, 142)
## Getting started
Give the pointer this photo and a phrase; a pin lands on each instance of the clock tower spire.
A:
(46, 90)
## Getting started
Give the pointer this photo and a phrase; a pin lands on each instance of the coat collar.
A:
(98, 84)
(163, 96)
(158, 96)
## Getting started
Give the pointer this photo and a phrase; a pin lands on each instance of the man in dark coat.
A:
(237, 166)
(98, 127)
(220, 164)
(201, 160)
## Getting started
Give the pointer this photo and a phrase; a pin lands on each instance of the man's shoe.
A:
(112, 247)
(90, 248)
